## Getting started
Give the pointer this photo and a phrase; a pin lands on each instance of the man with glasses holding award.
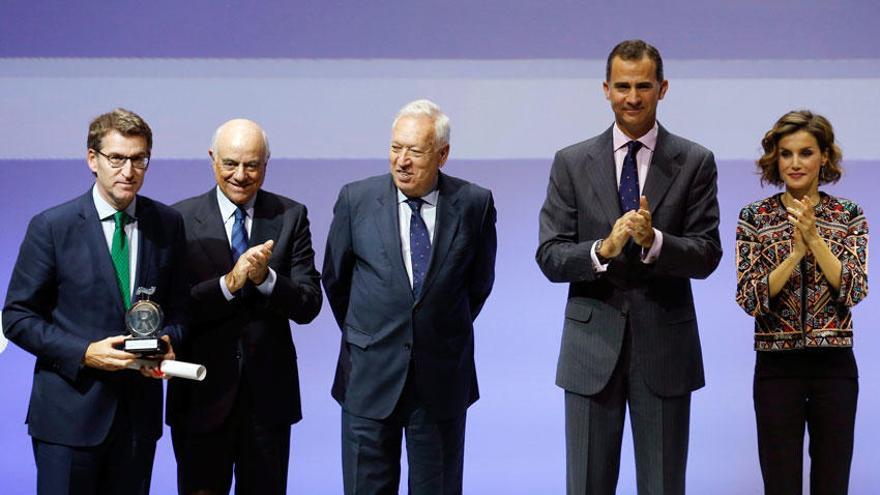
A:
(89, 272)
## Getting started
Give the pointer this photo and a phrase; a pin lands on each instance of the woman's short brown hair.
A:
(800, 120)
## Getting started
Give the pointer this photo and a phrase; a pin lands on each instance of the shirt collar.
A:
(105, 210)
(649, 140)
(227, 207)
(430, 198)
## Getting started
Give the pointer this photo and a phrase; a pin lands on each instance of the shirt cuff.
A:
(226, 292)
(651, 255)
(266, 287)
(598, 266)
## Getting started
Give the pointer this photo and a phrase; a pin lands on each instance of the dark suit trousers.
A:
(121, 465)
(257, 454)
(783, 408)
(594, 431)
(434, 449)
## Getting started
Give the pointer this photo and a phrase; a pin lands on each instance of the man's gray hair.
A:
(217, 136)
(427, 108)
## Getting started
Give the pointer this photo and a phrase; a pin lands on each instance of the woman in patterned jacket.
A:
(801, 258)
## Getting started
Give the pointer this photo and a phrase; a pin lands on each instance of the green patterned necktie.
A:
(119, 253)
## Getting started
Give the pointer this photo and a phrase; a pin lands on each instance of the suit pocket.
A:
(578, 312)
(357, 338)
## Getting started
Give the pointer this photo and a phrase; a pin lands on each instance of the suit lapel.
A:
(146, 222)
(208, 228)
(97, 245)
(445, 228)
(663, 170)
(267, 225)
(388, 228)
(603, 176)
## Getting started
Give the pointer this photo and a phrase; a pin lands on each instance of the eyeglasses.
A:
(139, 162)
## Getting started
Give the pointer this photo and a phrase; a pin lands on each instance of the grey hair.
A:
(217, 135)
(427, 108)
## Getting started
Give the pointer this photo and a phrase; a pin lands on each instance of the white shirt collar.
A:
(227, 207)
(105, 210)
(430, 198)
(649, 140)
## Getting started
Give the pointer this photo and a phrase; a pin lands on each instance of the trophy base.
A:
(145, 346)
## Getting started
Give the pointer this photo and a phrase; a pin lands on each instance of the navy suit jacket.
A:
(581, 207)
(63, 295)
(247, 338)
(385, 330)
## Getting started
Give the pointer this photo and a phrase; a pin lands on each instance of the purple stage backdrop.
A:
(519, 80)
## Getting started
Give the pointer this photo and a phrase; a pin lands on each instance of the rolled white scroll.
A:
(177, 369)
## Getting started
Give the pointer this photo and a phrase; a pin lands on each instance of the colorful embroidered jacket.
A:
(810, 314)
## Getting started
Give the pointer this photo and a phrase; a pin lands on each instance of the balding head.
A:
(238, 129)
(239, 152)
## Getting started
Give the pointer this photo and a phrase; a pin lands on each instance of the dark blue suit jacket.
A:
(385, 330)
(63, 295)
(252, 331)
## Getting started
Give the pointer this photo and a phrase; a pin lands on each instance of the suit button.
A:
(237, 355)
(407, 346)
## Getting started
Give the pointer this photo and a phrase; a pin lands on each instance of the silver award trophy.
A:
(143, 321)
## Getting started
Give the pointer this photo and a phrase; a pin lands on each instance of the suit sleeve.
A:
(561, 255)
(484, 262)
(339, 259)
(30, 300)
(695, 253)
(297, 293)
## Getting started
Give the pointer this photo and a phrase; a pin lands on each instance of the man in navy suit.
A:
(251, 268)
(410, 261)
(94, 424)
(631, 216)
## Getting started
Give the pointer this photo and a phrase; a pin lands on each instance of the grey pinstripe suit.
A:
(630, 333)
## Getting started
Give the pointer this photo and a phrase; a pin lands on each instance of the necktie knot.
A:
(633, 147)
(415, 204)
(121, 219)
(240, 215)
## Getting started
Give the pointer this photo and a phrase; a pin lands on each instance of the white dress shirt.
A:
(643, 163)
(105, 213)
(227, 213)
(404, 215)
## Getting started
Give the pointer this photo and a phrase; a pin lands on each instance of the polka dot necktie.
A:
(629, 179)
(419, 245)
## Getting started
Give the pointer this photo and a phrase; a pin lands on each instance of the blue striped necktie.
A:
(629, 179)
(419, 245)
(239, 235)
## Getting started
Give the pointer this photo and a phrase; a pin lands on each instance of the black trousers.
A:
(257, 454)
(121, 465)
(826, 408)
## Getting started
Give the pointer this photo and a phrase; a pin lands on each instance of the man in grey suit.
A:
(410, 261)
(631, 216)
